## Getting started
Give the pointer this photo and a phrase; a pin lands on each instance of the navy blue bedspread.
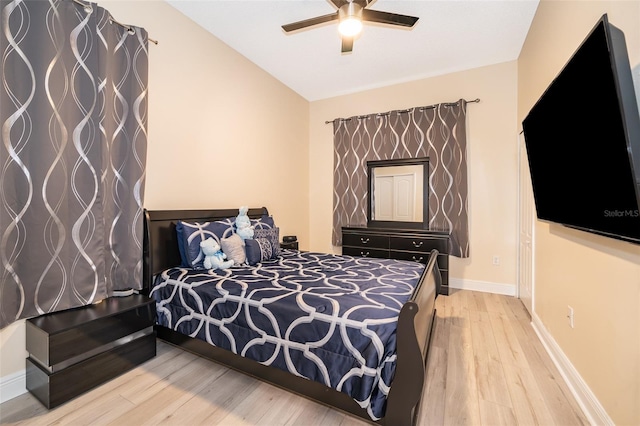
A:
(325, 317)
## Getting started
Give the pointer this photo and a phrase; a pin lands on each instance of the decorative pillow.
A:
(273, 235)
(194, 233)
(265, 222)
(233, 247)
(258, 250)
(180, 237)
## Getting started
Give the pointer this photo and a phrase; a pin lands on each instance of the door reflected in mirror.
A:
(398, 193)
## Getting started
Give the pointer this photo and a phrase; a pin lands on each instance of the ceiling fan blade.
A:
(347, 44)
(310, 22)
(339, 3)
(388, 18)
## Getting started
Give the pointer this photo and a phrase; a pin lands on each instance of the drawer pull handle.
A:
(418, 260)
(363, 254)
(363, 241)
(418, 244)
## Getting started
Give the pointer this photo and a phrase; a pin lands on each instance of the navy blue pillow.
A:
(273, 235)
(258, 250)
(193, 233)
(180, 236)
(265, 222)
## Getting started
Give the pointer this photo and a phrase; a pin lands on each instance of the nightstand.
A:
(73, 351)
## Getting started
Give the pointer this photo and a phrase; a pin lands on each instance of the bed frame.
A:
(415, 325)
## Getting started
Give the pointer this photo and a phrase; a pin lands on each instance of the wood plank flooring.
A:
(486, 367)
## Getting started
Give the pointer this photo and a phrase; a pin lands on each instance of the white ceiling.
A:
(450, 36)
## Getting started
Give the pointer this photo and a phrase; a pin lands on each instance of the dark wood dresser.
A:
(73, 351)
(402, 244)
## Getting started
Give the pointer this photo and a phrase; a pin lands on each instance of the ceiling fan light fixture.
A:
(350, 16)
(350, 27)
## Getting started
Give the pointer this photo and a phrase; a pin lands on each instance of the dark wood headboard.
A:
(160, 249)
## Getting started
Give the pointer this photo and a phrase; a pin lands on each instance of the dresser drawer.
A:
(64, 336)
(419, 244)
(443, 259)
(364, 240)
(365, 252)
(53, 389)
(406, 255)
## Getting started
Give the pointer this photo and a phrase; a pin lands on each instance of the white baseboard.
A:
(593, 410)
(13, 385)
(483, 286)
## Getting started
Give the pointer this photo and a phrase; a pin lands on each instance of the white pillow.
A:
(233, 247)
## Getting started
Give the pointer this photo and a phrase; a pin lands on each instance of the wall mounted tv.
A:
(583, 141)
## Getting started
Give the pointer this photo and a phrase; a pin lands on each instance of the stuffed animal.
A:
(214, 258)
(243, 224)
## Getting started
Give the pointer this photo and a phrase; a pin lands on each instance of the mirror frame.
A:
(372, 223)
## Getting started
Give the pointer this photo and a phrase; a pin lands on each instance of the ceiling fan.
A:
(351, 14)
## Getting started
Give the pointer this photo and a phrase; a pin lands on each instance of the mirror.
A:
(398, 193)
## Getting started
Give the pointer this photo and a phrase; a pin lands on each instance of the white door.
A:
(383, 206)
(527, 218)
(404, 194)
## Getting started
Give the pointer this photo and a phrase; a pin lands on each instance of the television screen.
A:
(583, 141)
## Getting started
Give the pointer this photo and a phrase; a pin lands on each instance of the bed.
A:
(287, 319)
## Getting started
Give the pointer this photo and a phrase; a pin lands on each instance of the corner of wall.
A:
(586, 399)
(12, 361)
(635, 71)
(483, 286)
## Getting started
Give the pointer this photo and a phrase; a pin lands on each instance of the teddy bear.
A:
(243, 224)
(214, 258)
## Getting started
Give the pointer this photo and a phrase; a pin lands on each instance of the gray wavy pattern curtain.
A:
(437, 132)
(73, 111)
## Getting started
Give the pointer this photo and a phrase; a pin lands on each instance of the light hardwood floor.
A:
(486, 367)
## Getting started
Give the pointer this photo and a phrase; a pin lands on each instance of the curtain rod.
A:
(89, 9)
(475, 101)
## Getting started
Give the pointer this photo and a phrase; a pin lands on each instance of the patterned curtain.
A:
(437, 132)
(73, 106)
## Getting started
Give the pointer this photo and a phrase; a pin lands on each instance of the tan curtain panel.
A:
(73, 116)
(437, 132)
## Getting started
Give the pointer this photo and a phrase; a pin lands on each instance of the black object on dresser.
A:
(73, 351)
(292, 245)
(289, 242)
(401, 244)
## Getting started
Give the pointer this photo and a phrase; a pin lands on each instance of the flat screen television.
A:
(582, 139)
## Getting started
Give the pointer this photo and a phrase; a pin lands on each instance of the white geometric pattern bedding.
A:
(328, 318)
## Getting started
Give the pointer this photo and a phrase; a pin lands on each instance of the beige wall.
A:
(12, 350)
(222, 133)
(597, 276)
(492, 160)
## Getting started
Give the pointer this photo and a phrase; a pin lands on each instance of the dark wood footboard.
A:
(415, 326)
